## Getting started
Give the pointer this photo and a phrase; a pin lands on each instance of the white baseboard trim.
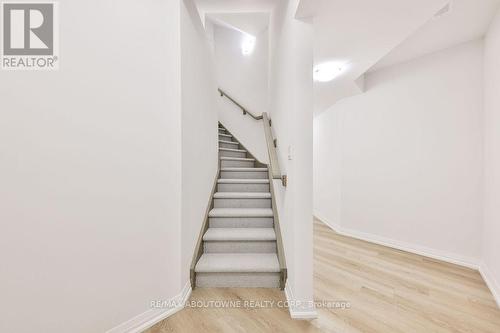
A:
(403, 246)
(151, 317)
(491, 282)
(333, 225)
(299, 310)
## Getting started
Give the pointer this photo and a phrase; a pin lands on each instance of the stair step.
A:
(238, 270)
(233, 150)
(228, 152)
(244, 173)
(243, 185)
(238, 159)
(243, 181)
(241, 212)
(242, 243)
(224, 137)
(242, 200)
(242, 195)
(240, 240)
(237, 162)
(238, 280)
(240, 222)
(238, 263)
(239, 234)
(263, 170)
(228, 144)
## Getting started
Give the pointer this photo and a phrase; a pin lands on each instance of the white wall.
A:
(248, 131)
(491, 245)
(90, 171)
(327, 167)
(407, 156)
(291, 108)
(244, 78)
(199, 129)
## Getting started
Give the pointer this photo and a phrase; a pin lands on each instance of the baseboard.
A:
(151, 317)
(491, 282)
(403, 246)
(333, 225)
(300, 312)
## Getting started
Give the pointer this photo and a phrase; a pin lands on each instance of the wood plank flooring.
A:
(388, 291)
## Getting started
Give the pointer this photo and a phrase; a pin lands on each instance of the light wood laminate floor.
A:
(388, 290)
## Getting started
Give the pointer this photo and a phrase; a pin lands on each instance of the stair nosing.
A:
(239, 159)
(242, 195)
(230, 142)
(240, 235)
(242, 181)
(262, 263)
(245, 169)
(233, 150)
(241, 212)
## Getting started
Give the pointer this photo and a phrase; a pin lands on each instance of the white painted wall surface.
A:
(491, 245)
(407, 157)
(90, 172)
(244, 78)
(199, 129)
(248, 131)
(291, 104)
(327, 167)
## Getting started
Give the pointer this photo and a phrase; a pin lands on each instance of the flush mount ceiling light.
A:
(248, 44)
(328, 71)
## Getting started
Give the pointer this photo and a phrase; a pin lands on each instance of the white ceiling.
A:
(363, 34)
(467, 20)
(250, 23)
(359, 33)
(249, 16)
(235, 6)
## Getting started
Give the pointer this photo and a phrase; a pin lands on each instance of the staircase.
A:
(238, 245)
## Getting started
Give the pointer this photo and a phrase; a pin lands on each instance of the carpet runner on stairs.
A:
(239, 247)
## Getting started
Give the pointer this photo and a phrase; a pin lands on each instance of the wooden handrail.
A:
(271, 143)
